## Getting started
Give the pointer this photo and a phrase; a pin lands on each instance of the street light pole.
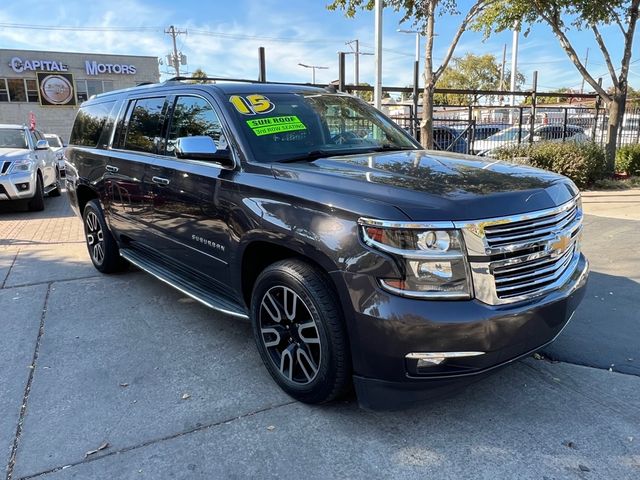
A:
(416, 79)
(313, 70)
(377, 89)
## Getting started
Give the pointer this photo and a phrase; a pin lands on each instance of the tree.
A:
(471, 72)
(563, 15)
(199, 76)
(423, 13)
(366, 95)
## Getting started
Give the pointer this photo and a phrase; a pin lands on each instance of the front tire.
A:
(299, 330)
(103, 249)
(36, 204)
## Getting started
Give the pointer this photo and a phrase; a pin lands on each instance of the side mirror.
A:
(202, 148)
(42, 145)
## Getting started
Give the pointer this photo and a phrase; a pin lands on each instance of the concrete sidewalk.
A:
(171, 389)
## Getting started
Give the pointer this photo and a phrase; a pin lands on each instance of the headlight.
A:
(432, 260)
(22, 165)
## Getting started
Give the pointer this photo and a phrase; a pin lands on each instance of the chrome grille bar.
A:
(542, 250)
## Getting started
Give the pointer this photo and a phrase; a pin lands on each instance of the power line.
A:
(78, 28)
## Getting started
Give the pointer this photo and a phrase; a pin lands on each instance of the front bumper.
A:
(385, 328)
(9, 185)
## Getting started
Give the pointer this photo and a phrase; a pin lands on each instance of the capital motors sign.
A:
(91, 67)
(95, 68)
(19, 65)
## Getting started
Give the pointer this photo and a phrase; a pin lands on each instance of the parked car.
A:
(28, 167)
(58, 147)
(359, 259)
(542, 133)
(449, 139)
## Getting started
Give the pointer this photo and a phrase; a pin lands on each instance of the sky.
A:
(223, 38)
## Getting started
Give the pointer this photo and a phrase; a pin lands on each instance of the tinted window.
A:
(144, 129)
(193, 116)
(90, 123)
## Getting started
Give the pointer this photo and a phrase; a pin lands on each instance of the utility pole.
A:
(514, 60)
(377, 89)
(586, 61)
(504, 61)
(176, 57)
(355, 51)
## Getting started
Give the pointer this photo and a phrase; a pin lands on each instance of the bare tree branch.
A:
(628, 41)
(605, 54)
(570, 51)
(471, 14)
(616, 18)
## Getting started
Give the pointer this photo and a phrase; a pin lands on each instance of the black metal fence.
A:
(482, 129)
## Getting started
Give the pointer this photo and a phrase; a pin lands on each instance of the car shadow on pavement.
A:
(605, 330)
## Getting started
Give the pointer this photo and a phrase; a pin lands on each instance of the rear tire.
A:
(299, 330)
(103, 249)
(36, 204)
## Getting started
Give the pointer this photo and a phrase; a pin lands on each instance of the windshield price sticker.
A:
(271, 125)
(252, 104)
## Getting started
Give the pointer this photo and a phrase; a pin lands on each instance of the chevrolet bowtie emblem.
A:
(560, 245)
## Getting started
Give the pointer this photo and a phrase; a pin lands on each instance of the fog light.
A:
(22, 186)
(432, 359)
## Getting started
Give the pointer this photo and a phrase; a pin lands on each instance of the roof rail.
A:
(245, 80)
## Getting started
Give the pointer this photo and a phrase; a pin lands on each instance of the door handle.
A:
(160, 180)
(111, 168)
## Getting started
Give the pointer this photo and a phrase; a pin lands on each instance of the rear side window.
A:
(92, 123)
(144, 126)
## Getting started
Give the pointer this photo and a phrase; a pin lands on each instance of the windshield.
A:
(13, 138)
(508, 135)
(53, 140)
(289, 127)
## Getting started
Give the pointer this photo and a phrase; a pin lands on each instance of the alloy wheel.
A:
(95, 238)
(290, 335)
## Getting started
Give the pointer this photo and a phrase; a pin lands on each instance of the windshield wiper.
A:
(316, 154)
(389, 148)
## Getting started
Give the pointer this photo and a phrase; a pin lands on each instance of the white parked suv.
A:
(58, 147)
(28, 166)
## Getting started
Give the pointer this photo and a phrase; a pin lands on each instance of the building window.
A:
(87, 88)
(4, 93)
(81, 90)
(32, 90)
(17, 90)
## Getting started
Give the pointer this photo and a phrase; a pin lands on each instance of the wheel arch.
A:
(258, 254)
(84, 194)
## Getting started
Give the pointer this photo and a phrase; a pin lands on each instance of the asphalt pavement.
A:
(121, 377)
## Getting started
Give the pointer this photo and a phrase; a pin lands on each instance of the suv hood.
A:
(10, 154)
(434, 186)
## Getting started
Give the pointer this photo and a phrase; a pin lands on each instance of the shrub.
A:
(583, 162)
(628, 159)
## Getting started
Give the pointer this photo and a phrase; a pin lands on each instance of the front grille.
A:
(530, 230)
(520, 257)
(4, 167)
(528, 277)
